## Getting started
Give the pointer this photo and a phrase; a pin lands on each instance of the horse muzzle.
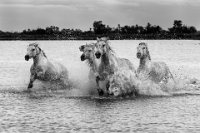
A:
(27, 57)
(82, 57)
(98, 55)
(139, 55)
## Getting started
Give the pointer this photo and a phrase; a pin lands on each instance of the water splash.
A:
(81, 86)
(179, 87)
(15, 72)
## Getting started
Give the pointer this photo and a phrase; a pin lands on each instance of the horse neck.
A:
(144, 61)
(91, 63)
(38, 58)
(107, 60)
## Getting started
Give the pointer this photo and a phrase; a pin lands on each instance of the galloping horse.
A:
(42, 69)
(155, 71)
(110, 64)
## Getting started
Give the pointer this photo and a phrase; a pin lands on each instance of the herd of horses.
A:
(114, 76)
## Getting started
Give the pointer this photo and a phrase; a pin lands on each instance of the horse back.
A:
(56, 67)
(160, 69)
(125, 63)
(51, 71)
(159, 66)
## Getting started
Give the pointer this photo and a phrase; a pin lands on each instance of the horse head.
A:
(102, 47)
(142, 51)
(32, 51)
(88, 51)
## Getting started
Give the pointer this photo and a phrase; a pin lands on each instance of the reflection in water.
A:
(23, 113)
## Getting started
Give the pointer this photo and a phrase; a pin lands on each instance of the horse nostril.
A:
(98, 55)
(82, 57)
(138, 55)
(26, 57)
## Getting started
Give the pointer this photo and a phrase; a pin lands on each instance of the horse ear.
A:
(98, 39)
(81, 48)
(36, 44)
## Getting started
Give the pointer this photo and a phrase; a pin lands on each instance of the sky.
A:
(17, 15)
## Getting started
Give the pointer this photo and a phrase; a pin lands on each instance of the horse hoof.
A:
(136, 93)
(107, 86)
(30, 86)
(100, 92)
(28, 90)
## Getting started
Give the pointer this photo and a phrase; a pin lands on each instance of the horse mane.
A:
(105, 39)
(102, 39)
(148, 54)
(111, 49)
(42, 51)
(90, 63)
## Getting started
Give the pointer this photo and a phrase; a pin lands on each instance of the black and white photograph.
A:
(99, 66)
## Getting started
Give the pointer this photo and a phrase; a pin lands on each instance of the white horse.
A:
(42, 69)
(155, 71)
(89, 56)
(110, 65)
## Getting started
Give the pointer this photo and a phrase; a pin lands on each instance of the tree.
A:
(100, 28)
(148, 28)
(177, 24)
(179, 28)
(52, 30)
(192, 29)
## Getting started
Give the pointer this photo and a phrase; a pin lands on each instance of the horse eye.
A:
(103, 45)
(33, 49)
(143, 48)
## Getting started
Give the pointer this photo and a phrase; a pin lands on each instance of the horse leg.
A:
(32, 79)
(107, 87)
(100, 91)
(135, 92)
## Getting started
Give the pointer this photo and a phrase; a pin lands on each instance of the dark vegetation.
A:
(177, 31)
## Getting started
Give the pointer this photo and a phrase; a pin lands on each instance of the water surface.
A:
(82, 111)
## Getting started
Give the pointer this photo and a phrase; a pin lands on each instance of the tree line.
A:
(177, 31)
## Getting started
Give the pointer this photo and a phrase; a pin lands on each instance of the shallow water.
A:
(80, 110)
